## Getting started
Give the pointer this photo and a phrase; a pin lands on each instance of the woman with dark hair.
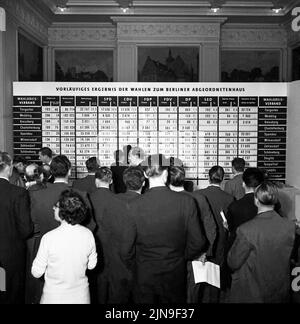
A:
(66, 253)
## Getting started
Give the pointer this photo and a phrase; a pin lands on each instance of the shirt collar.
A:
(4, 178)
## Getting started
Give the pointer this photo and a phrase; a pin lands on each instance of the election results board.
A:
(203, 124)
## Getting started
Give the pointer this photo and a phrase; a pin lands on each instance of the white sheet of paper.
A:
(208, 272)
(223, 216)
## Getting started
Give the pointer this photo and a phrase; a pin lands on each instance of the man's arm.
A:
(239, 251)
(40, 263)
(129, 237)
(208, 222)
(196, 240)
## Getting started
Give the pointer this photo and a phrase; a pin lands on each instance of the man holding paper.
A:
(260, 255)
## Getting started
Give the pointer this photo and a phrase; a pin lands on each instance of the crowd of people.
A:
(128, 233)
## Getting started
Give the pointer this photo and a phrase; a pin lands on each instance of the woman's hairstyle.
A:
(266, 193)
(5, 160)
(72, 207)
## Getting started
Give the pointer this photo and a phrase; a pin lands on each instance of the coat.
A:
(15, 227)
(165, 234)
(235, 187)
(115, 272)
(260, 260)
(86, 184)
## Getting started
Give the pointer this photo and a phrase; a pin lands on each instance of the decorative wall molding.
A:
(167, 29)
(258, 36)
(28, 18)
(82, 35)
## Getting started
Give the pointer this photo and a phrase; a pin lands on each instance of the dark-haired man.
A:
(42, 202)
(134, 180)
(88, 183)
(46, 155)
(218, 201)
(234, 186)
(244, 209)
(114, 276)
(165, 234)
(15, 227)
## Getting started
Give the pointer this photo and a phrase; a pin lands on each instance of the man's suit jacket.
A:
(241, 211)
(128, 196)
(86, 184)
(165, 233)
(234, 187)
(218, 201)
(15, 227)
(42, 202)
(111, 214)
(260, 259)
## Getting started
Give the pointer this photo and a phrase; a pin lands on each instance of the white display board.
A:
(203, 124)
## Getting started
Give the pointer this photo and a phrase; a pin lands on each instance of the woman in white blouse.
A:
(66, 253)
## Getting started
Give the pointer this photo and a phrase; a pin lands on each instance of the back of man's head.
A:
(176, 176)
(46, 151)
(216, 174)
(253, 177)
(5, 161)
(60, 166)
(33, 172)
(156, 164)
(134, 178)
(137, 152)
(104, 174)
(92, 164)
(238, 164)
(266, 193)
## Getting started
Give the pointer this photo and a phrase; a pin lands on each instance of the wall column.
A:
(127, 67)
(2, 92)
(211, 62)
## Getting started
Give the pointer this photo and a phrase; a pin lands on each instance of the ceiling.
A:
(255, 11)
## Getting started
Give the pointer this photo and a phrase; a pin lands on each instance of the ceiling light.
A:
(214, 9)
(61, 8)
(124, 10)
(277, 10)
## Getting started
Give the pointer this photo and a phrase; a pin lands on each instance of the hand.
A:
(202, 258)
(225, 225)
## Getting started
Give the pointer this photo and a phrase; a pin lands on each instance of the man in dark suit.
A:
(134, 180)
(42, 202)
(114, 277)
(166, 233)
(45, 156)
(88, 184)
(234, 186)
(218, 201)
(260, 255)
(15, 227)
(244, 209)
